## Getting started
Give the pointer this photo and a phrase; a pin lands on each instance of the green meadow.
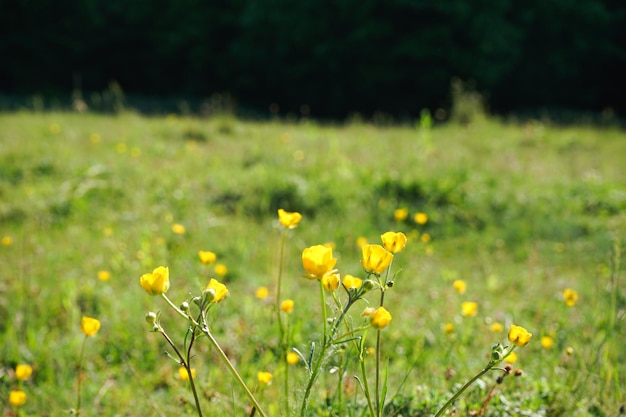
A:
(518, 211)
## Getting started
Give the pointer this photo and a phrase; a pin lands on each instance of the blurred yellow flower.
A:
(55, 128)
(368, 312)
(375, 259)
(17, 398)
(351, 283)
(519, 336)
(570, 296)
(400, 214)
(546, 342)
(569, 351)
(497, 327)
(221, 270)
(469, 308)
(331, 281)
(448, 328)
(381, 318)
(207, 257)
(135, 152)
(89, 326)
(512, 358)
(460, 286)
(425, 237)
(262, 293)
(289, 219)
(158, 282)
(287, 306)
(104, 275)
(317, 261)
(420, 218)
(7, 241)
(121, 148)
(370, 350)
(184, 375)
(178, 229)
(394, 242)
(218, 289)
(264, 377)
(292, 358)
(23, 372)
(95, 138)
(361, 241)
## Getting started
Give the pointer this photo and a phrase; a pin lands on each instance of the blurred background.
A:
(325, 59)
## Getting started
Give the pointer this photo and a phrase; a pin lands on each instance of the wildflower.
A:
(292, 358)
(331, 281)
(317, 261)
(89, 326)
(460, 286)
(400, 214)
(121, 148)
(420, 218)
(55, 128)
(375, 259)
(264, 377)
(361, 241)
(569, 351)
(425, 238)
(448, 328)
(184, 375)
(23, 372)
(394, 242)
(519, 336)
(497, 327)
(546, 342)
(207, 257)
(469, 308)
(178, 229)
(158, 282)
(351, 283)
(570, 296)
(512, 358)
(287, 306)
(261, 293)
(221, 270)
(95, 138)
(218, 289)
(289, 219)
(381, 318)
(368, 312)
(370, 350)
(104, 275)
(135, 152)
(17, 398)
(6, 241)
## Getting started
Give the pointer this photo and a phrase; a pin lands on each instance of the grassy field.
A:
(519, 212)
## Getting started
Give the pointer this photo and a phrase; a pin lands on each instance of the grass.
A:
(518, 211)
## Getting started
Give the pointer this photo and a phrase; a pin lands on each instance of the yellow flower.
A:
(460, 286)
(512, 358)
(179, 229)
(104, 275)
(55, 128)
(287, 306)
(361, 241)
(218, 289)
(351, 283)
(89, 326)
(497, 327)
(95, 138)
(375, 259)
(184, 375)
(425, 238)
(207, 257)
(158, 282)
(448, 328)
(570, 297)
(469, 308)
(23, 372)
(331, 281)
(317, 261)
(17, 398)
(519, 336)
(264, 377)
(400, 214)
(7, 241)
(546, 342)
(289, 219)
(221, 270)
(261, 293)
(394, 242)
(569, 351)
(420, 218)
(381, 318)
(292, 358)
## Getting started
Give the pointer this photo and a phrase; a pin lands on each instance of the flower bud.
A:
(184, 307)
(151, 317)
(197, 301)
(368, 285)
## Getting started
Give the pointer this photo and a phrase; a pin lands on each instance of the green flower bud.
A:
(151, 317)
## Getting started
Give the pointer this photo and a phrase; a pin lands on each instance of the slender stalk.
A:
(282, 334)
(80, 366)
(178, 310)
(366, 387)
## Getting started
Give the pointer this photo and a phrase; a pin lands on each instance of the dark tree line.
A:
(337, 57)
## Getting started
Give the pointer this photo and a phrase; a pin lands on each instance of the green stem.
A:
(366, 387)
(378, 345)
(80, 366)
(283, 336)
(178, 310)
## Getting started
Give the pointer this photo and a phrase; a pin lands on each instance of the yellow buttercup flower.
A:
(264, 377)
(497, 327)
(512, 358)
(425, 238)
(351, 283)
(207, 257)
(469, 308)
(218, 289)
(262, 293)
(158, 282)
(221, 270)
(381, 318)
(292, 358)
(104, 275)
(7, 241)
(23, 372)
(400, 214)
(184, 375)
(178, 229)
(89, 326)
(287, 306)
(420, 218)
(394, 242)
(289, 219)
(330, 282)
(317, 261)
(519, 336)
(375, 259)
(448, 328)
(361, 241)
(546, 342)
(570, 297)
(460, 286)
(17, 398)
